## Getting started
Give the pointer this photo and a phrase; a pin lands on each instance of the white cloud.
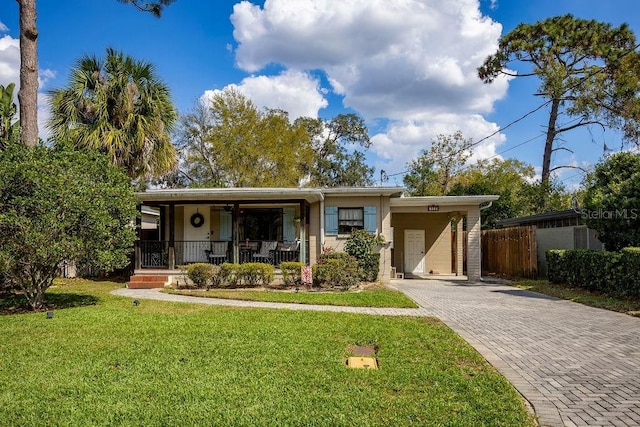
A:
(412, 63)
(295, 92)
(403, 140)
(389, 58)
(3, 28)
(9, 60)
(10, 73)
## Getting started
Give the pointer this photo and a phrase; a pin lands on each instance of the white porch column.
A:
(474, 256)
(459, 246)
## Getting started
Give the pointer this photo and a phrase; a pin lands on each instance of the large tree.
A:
(229, 142)
(337, 159)
(612, 200)
(58, 205)
(28, 93)
(119, 107)
(435, 170)
(588, 70)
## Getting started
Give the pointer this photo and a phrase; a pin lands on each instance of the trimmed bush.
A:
(361, 245)
(336, 270)
(229, 274)
(250, 274)
(256, 274)
(292, 273)
(369, 267)
(615, 273)
(202, 274)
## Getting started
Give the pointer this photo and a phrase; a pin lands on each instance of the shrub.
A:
(57, 205)
(369, 267)
(229, 274)
(249, 274)
(291, 273)
(256, 273)
(615, 273)
(361, 245)
(630, 272)
(202, 274)
(336, 270)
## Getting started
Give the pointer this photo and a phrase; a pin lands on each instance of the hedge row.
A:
(615, 273)
(230, 275)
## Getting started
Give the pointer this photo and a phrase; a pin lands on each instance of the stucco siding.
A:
(437, 236)
(474, 235)
(383, 225)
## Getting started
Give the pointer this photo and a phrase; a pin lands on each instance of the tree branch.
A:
(568, 167)
(562, 148)
(568, 128)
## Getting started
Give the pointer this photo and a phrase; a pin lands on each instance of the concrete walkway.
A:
(577, 365)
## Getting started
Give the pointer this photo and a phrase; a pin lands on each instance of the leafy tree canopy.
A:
(231, 143)
(58, 205)
(589, 71)
(337, 161)
(435, 170)
(118, 106)
(612, 200)
(505, 178)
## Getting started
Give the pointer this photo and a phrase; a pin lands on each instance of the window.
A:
(350, 218)
(343, 220)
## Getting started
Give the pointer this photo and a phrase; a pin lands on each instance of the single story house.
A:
(556, 230)
(283, 224)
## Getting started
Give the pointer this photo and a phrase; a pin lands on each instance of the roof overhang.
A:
(393, 192)
(190, 195)
(434, 203)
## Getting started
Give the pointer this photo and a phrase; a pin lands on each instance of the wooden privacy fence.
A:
(510, 251)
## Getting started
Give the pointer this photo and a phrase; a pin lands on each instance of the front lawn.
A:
(161, 363)
(371, 297)
(583, 296)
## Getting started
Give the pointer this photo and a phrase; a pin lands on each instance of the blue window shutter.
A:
(288, 227)
(331, 220)
(370, 219)
(225, 226)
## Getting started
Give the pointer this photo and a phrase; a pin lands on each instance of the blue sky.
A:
(407, 66)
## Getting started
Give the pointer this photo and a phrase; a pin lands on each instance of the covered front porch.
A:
(239, 226)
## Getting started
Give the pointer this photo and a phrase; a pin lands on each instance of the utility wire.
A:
(544, 104)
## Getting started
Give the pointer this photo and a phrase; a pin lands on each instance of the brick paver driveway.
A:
(577, 365)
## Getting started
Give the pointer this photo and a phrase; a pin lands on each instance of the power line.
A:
(544, 104)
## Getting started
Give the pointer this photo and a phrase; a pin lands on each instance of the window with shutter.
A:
(370, 219)
(225, 226)
(331, 220)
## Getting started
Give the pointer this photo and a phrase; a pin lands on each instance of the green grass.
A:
(165, 363)
(583, 296)
(372, 297)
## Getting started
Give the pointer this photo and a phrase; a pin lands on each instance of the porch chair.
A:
(288, 251)
(218, 253)
(266, 252)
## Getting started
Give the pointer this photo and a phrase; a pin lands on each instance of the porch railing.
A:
(155, 254)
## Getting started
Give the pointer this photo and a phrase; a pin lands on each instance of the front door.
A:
(196, 233)
(414, 251)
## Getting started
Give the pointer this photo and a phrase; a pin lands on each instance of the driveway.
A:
(577, 365)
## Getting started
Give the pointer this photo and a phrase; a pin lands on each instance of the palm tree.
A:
(118, 107)
(9, 127)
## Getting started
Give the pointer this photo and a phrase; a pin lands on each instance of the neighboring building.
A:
(232, 224)
(556, 230)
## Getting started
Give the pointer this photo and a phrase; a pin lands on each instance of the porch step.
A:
(149, 281)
